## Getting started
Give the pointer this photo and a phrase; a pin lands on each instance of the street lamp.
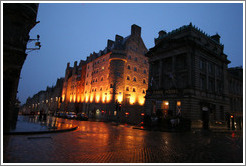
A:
(37, 44)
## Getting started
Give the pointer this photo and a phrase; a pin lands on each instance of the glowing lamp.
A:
(127, 113)
(142, 114)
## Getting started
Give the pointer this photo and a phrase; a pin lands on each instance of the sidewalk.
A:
(31, 125)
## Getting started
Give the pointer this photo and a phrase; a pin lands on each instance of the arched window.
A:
(144, 81)
(134, 79)
(128, 67)
(145, 71)
(128, 77)
(133, 89)
(135, 69)
(102, 79)
(143, 91)
(127, 88)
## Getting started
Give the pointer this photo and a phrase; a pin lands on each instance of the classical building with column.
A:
(188, 76)
(112, 83)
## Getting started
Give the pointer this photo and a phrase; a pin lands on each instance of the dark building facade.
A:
(48, 101)
(235, 88)
(18, 20)
(188, 76)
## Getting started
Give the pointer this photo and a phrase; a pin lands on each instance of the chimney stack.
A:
(110, 43)
(118, 38)
(135, 30)
(216, 37)
(162, 33)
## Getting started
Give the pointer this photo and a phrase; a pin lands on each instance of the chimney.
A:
(216, 37)
(110, 43)
(118, 38)
(68, 65)
(162, 33)
(135, 30)
(75, 64)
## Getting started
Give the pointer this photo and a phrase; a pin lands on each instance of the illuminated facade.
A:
(118, 74)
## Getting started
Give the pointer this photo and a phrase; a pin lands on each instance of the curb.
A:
(40, 132)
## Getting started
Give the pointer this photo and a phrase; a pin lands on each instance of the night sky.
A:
(70, 32)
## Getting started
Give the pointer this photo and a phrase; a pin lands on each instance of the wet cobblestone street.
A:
(100, 142)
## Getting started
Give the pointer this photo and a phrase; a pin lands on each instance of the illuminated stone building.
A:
(117, 74)
(188, 75)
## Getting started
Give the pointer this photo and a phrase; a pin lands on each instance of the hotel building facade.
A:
(112, 83)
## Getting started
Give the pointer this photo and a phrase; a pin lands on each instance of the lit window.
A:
(103, 68)
(134, 79)
(134, 90)
(128, 78)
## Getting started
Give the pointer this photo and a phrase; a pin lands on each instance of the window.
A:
(96, 79)
(103, 59)
(143, 91)
(133, 89)
(92, 90)
(128, 67)
(127, 88)
(87, 75)
(136, 59)
(87, 83)
(145, 71)
(95, 90)
(144, 81)
(202, 82)
(102, 79)
(111, 85)
(135, 69)
(100, 89)
(129, 57)
(128, 78)
(134, 79)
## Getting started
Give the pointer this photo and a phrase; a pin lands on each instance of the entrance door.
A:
(205, 117)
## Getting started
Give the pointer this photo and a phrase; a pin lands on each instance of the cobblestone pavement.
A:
(100, 142)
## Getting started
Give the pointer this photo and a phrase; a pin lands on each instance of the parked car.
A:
(82, 116)
(71, 115)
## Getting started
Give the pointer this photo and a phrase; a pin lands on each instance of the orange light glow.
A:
(141, 100)
(97, 98)
(120, 98)
(78, 99)
(87, 98)
(74, 98)
(63, 98)
(91, 98)
(231, 116)
(178, 103)
(70, 98)
(127, 113)
(132, 99)
(142, 114)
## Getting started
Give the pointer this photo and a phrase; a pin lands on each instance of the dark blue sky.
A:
(70, 32)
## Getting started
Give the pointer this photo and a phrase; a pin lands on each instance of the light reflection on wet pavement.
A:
(100, 142)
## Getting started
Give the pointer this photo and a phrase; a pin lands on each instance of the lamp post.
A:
(37, 44)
